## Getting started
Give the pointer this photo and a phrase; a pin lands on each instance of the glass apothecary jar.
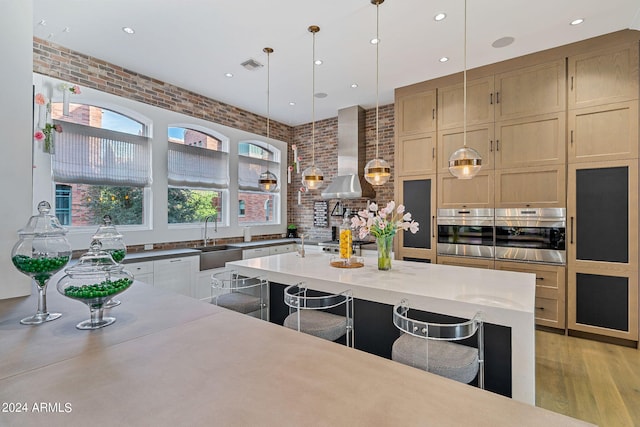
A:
(93, 280)
(111, 240)
(112, 243)
(41, 251)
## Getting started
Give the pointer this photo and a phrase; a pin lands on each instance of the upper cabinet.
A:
(538, 89)
(604, 76)
(479, 137)
(480, 101)
(416, 113)
(416, 154)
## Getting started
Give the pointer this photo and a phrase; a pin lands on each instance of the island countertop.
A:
(505, 298)
(172, 360)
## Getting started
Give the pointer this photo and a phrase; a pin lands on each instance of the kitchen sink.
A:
(217, 256)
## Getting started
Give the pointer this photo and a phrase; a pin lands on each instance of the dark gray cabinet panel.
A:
(602, 210)
(417, 200)
(602, 301)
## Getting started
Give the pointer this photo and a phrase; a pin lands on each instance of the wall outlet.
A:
(148, 247)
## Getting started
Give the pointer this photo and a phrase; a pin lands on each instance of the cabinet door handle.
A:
(572, 137)
(571, 230)
(433, 226)
(175, 260)
(433, 114)
(540, 278)
(540, 308)
(433, 152)
(571, 82)
(490, 99)
(497, 97)
(491, 146)
(497, 145)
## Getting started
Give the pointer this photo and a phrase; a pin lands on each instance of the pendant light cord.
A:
(377, 75)
(268, 92)
(464, 78)
(313, 104)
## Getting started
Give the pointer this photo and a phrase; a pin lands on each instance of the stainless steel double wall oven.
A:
(525, 234)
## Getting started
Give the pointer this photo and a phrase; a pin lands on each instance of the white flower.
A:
(407, 216)
(400, 209)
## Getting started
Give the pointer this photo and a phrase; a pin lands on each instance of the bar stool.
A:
(306, 313)
(431, 347)
(239, 293)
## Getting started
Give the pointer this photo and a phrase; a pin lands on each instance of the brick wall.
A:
(326, 154)
(59, 62)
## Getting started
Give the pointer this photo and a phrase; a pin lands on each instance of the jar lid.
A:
(94, 261)
(106, 230)
(44, 223)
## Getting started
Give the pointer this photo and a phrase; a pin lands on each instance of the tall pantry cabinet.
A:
(602, 202)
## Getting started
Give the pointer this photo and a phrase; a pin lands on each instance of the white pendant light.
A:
(377, 171)
(312, 177)
(465, 162)
(268, 181)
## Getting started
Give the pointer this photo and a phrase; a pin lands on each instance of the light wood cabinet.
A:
(543, 187)
(602, 133)
(479, 137)
(419, 197)
(535, 141)
(466, 193)
(602, 252)
(416, 113)
(550, 291)
(466, 262)
(604, 76)
(416, 154)
(530, 91)
(480, 93)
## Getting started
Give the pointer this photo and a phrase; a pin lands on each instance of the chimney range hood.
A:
(350, 182)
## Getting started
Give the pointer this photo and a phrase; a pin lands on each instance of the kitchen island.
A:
(171, 360)
(506, 300)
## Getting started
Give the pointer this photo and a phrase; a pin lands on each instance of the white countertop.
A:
(505, 298)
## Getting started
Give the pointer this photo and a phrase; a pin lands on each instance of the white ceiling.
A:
(193, 43)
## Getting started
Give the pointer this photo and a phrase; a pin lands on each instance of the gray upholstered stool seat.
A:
(307, 313)
(456, 361)
(239, 293)
(433, 346)
(240, 302)
(318, 323)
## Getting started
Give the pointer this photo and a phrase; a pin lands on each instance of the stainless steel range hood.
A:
(350, 182)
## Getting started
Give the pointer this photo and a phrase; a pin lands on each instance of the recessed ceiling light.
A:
(128, 30)
(503, 42)
(374, 41)
(354, 85)
(440, 16)
(228, 75)
(320, 95)
(66, 30)
(318, 62)
(443, 59)
(577, 21)
(42, 22)
(292, 103)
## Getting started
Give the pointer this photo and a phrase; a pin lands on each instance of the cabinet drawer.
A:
(531, 187)
(281, 249)
(466, 193)
(254, 253)
(138, 268)
(547, 310)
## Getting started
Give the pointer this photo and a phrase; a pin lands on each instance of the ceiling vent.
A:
(251, 64)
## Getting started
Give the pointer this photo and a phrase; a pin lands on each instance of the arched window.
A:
(198, 174)
(255, 157)
(102, 163)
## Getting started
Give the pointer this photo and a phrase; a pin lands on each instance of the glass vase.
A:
(385, 245)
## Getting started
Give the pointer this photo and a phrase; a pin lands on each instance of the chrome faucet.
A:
(301, 248)
(215, 230)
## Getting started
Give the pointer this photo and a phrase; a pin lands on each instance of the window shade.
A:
(249, 170)
(197, 167)
(89, 155)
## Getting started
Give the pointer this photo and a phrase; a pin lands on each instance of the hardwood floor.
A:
(588, 380)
